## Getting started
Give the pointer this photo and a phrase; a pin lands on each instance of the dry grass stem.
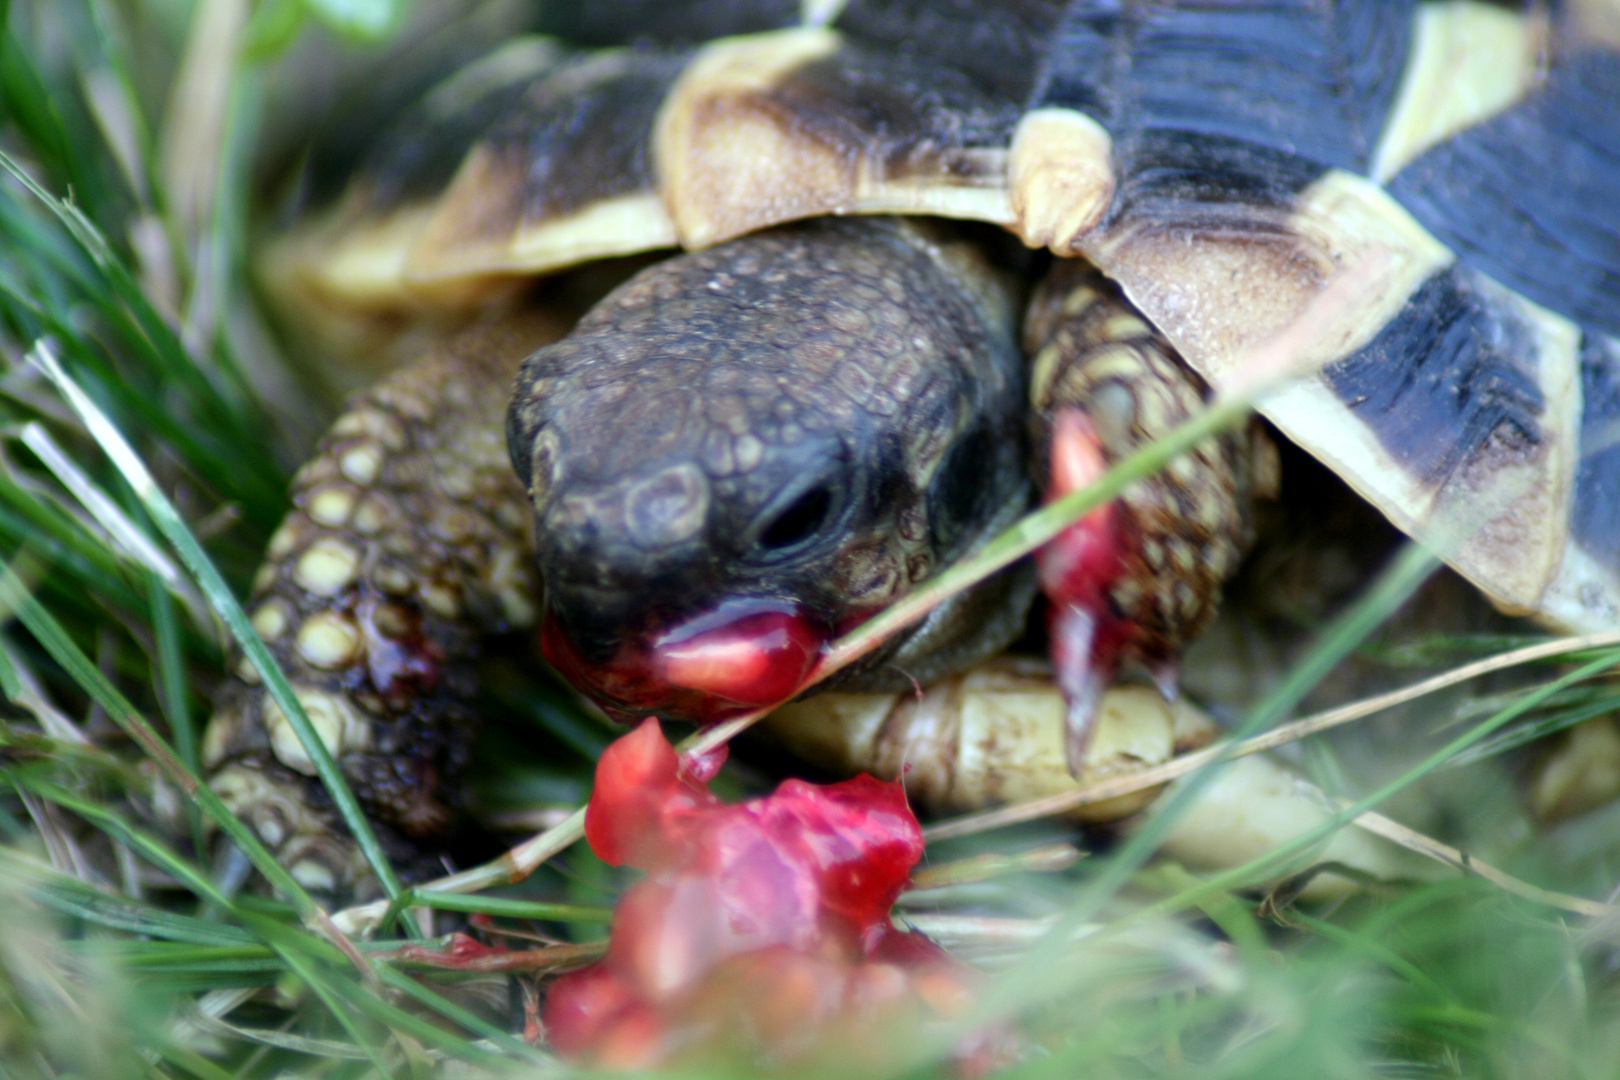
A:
(1413, 840)
(194, 129)
(545, 959)
(1034, 809)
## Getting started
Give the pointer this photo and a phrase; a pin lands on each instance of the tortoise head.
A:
(743, 452)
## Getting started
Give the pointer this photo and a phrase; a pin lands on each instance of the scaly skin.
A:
(409, 540)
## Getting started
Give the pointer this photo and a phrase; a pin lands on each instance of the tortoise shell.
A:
(1222, 163)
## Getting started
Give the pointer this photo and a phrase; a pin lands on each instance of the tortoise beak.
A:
(742, 655)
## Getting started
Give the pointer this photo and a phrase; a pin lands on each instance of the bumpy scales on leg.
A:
(408, 540)
(1136, 578)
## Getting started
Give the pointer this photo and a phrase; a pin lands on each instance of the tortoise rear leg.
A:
(408, 542)
(1137, 578)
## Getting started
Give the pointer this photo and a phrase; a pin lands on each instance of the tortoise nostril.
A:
(799, 521)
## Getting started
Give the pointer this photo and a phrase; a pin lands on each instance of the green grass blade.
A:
(147, 846)
(15, 597)
(1551, 723)
(192, 1062)
(1409, 570)
(359, 20)
(35, 521)
(29, 103)
(341, 1006)
(128, 291)
(171, 678)
(225, 605)
(1364, 945)
(74, 898)
(508, 908)
(371, 1005)
(165, 352)
(403, 983)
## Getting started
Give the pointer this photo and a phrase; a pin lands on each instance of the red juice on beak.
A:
(740, 656)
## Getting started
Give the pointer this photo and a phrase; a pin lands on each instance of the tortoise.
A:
(748, 448)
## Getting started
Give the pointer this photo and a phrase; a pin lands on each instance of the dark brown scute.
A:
(583, 134)
(325, 133)
(901, 109)
(1595, 516)
(578, 141)
(1532, 196)
(1202, 182)
(420, 150)
(601, 23)
(1001, 47)
(1452, 377)
(578, 137)
(1307, 78)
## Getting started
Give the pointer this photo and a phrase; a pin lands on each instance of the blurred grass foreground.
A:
(149, 421)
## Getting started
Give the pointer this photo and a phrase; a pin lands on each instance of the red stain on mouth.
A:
(741, 656)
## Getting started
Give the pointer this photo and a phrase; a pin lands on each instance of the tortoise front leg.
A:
(408, 542)
(1137, 578)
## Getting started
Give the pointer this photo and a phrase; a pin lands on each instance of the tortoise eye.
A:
(799, 522)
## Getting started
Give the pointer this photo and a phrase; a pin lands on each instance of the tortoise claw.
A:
(1167, 677)
(1082, 674)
